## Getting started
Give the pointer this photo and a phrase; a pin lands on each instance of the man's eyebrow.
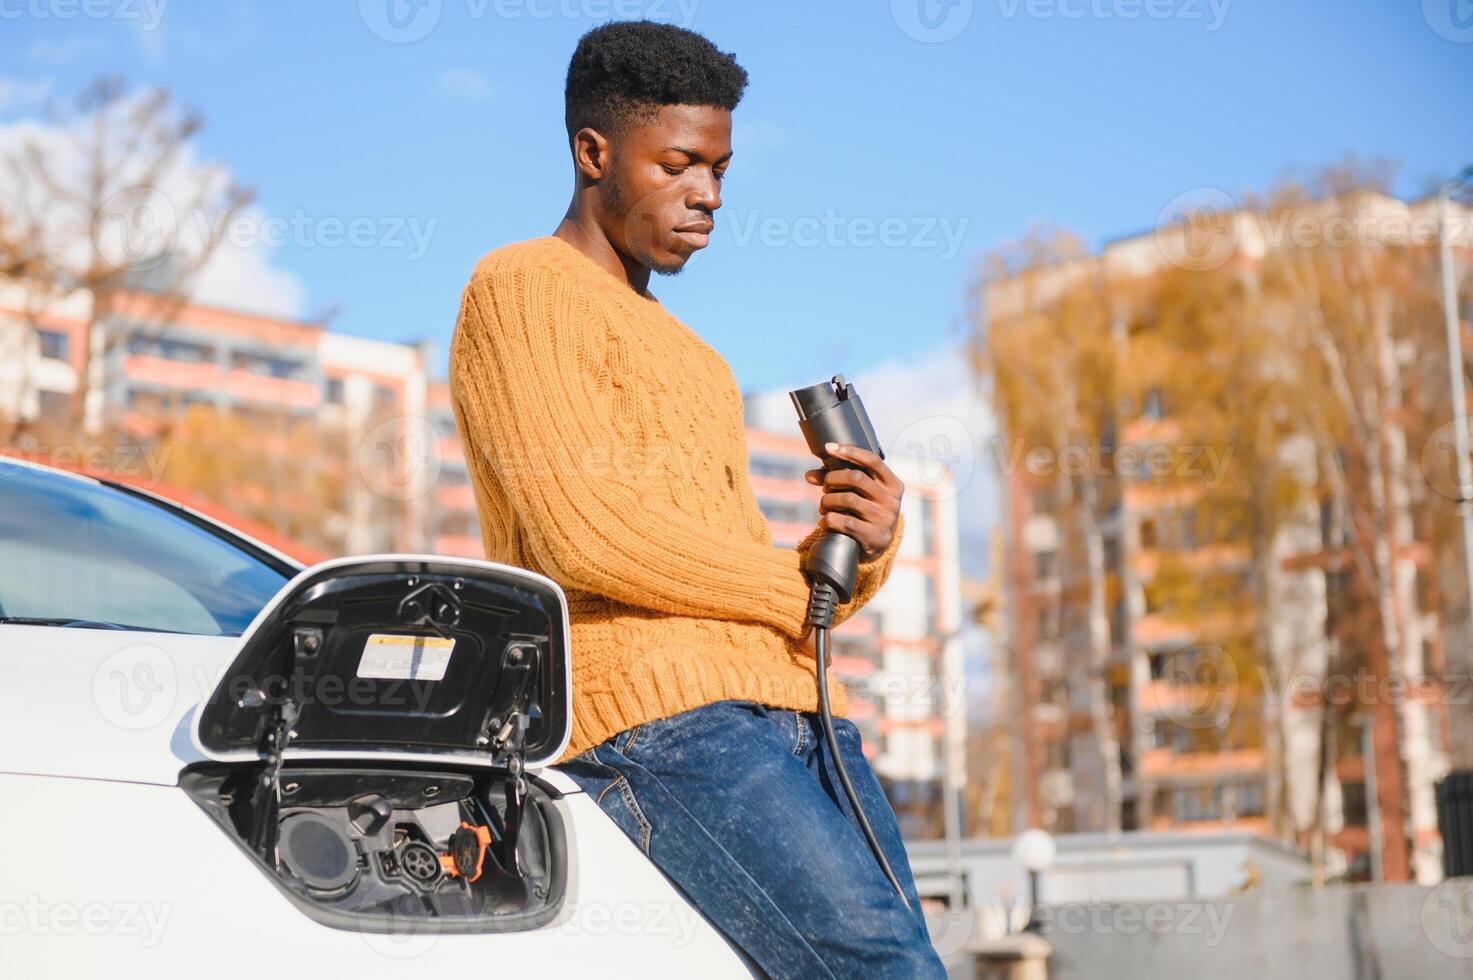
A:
(696, 154)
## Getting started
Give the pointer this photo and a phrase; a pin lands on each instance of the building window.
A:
(333, 392)
(1048, 621)
(931, 604)
(1148, 534)
(1199, 803)
(56, 406)
(1151, 407)
(170, 349)
(928, 525)
(264, 364)
(1353, 804)
(55, 344)
(785, 511)
(774, 467)
(1045, 565)
(1250, 800)
(383, 396)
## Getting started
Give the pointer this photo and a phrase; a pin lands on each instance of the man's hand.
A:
(863, 503)
(810, 643)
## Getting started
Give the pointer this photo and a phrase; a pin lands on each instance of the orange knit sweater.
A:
(606, 448)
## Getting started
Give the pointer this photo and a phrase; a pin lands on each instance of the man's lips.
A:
(697, 233)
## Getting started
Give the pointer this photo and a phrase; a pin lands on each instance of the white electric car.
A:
(217, 763)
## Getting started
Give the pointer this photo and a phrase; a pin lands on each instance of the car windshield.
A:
(78, 553)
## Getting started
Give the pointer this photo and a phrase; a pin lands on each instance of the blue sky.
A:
(872, 167)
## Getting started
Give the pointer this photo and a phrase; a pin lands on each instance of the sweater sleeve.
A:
(531, 410)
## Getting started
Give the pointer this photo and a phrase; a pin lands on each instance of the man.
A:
(607, 451)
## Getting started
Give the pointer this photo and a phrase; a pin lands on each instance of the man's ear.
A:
(592, 154)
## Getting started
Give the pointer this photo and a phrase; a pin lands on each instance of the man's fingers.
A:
(850, 503)
(869, 462)
(857, 481)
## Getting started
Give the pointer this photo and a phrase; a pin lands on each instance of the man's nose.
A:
(706, 195)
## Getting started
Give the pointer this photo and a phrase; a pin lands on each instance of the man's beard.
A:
(616, 202)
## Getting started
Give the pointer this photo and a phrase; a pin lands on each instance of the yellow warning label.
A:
(410, 658)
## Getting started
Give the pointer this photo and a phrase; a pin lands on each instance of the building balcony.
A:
(1164, 766)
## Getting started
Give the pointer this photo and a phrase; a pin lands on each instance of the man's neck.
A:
(587, 237)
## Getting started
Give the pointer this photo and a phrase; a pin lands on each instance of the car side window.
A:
(74, 551)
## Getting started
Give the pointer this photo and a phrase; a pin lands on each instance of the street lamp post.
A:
(1035, 850)
(1455, 375)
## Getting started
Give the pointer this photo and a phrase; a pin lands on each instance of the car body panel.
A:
(121, 879)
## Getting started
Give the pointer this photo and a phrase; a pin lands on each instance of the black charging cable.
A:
(832, 412)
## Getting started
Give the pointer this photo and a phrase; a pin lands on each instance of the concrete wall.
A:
(1369, 932)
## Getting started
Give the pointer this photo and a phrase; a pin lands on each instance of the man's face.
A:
(665, 184)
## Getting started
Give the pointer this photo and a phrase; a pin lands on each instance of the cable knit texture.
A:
(607, 451)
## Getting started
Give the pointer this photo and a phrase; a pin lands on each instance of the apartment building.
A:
(304, 403)
(1208, 742)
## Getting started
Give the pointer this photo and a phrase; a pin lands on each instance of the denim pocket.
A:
(616, 800)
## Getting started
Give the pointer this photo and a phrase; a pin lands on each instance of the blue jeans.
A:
(740, 806)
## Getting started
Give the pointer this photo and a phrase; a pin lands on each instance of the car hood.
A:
(105, 704)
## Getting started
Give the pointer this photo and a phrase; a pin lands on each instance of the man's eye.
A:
(673, 171)
(719, 174)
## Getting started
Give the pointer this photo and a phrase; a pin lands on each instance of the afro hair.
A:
(626, 70)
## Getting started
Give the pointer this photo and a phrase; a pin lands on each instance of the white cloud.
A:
(463, 83)
(17, 95)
